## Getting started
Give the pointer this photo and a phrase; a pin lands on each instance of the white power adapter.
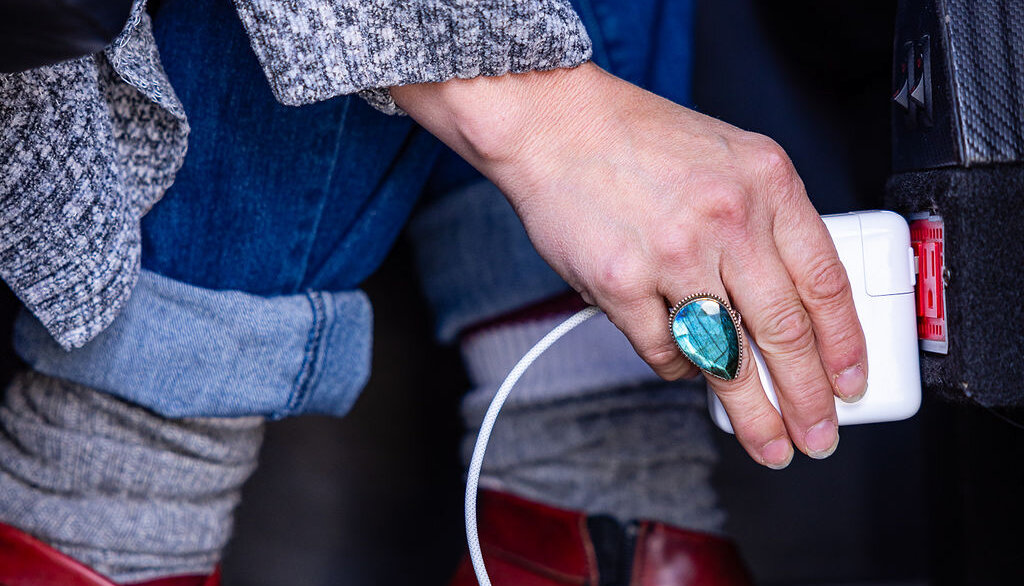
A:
(874, 247)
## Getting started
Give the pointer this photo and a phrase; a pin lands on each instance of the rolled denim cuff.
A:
(475, 259)
(185, 351)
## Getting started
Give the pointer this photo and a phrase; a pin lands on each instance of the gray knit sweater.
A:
(88, 146)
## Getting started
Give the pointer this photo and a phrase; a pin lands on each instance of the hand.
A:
(638, 202)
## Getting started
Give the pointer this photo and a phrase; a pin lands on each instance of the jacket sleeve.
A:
(313, 50)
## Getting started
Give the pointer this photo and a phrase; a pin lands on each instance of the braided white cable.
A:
(475, 464)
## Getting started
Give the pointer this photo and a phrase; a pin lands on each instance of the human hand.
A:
(636, 201)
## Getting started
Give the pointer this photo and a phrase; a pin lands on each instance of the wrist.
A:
(510, 123)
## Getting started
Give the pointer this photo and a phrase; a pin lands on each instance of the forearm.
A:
(508, 126)
(636, 201)
(312, 50)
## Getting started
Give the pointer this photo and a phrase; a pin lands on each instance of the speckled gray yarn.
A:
(130, 494)
(87, 146)
(635, 452)
(345, 46)
(82, 156)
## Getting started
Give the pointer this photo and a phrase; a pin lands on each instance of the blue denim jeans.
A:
(248, 301)
(474, 258)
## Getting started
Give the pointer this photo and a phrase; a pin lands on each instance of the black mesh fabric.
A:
(967, 164)
(983, 214)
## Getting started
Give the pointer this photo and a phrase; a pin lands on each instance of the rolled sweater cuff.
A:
(313, 50)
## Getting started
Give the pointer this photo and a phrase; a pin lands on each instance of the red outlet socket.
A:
(927, 239)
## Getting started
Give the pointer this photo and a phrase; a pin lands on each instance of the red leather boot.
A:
(26, 561)
(529, 544)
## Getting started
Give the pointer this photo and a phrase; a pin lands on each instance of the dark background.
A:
(375, 498)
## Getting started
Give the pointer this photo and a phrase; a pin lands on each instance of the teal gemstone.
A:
(706, 334)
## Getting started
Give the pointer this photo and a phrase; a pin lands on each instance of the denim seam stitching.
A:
(310, 353)
(326, 349)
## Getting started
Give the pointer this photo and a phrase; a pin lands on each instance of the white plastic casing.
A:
(875, 248)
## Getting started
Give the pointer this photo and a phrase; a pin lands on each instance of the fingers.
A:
(774, 314)
(758, 426)
(645, 324)
(809, 254)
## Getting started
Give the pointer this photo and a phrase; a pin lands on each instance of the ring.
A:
(707, 331)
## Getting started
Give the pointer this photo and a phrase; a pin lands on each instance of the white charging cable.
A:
(475, 464)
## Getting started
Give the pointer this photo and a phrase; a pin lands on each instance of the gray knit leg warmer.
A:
(126, 492)
(641, 452)
(590, 427)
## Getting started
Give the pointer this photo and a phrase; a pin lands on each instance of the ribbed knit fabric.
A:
(591, 428)
(593, 358)
(90, 144)
(84, 156)
(126, 492)
(312, 50)
(640, 452)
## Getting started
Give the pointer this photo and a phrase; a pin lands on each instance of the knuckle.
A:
(662, 358)
(810, 398)
(772, 159)
(844, 343)
(787, 327)
(826, 281)
(754, 425)
(621, 280)
(775, 169)
(675, 247)
(727, 204)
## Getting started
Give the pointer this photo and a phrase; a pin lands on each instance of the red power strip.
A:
(926, 237)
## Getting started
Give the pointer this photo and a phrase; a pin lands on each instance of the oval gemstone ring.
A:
(707, 331)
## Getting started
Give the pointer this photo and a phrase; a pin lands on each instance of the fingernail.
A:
(777, 454)
(851, 384)
(822, 439)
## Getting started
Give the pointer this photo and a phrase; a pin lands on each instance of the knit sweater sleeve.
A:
(313, 50)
